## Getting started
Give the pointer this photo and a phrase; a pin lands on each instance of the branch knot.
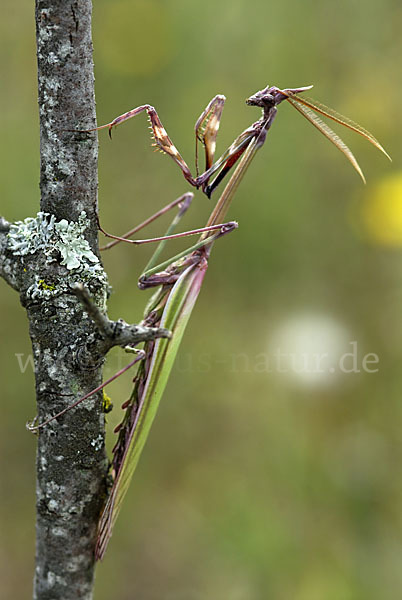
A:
(116, 333)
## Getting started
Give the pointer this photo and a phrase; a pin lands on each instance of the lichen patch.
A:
(59, 241)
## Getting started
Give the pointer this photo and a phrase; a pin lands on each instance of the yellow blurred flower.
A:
(381, 213)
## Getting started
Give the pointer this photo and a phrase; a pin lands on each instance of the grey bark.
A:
(71, 460)
(66, 99)
(44, 259)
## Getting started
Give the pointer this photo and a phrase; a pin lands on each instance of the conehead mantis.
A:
(179, 279)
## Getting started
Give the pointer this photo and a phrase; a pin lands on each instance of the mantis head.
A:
(272, 96)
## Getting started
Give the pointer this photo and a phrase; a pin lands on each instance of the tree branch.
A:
(8, 265)
(71, 459)
(116, 333)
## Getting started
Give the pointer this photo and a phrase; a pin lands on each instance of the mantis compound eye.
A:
(268, 99)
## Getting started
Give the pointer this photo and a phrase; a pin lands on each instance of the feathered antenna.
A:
(306, 106)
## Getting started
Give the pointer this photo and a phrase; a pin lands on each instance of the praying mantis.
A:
(178, 280)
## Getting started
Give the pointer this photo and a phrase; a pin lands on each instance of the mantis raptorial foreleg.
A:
(206, 130)
(160, 136)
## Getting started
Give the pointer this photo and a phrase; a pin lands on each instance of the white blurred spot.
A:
(306, 349)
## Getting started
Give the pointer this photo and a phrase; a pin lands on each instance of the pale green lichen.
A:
(44, 233)
(62, 241)
(31, 234)
(73, 247)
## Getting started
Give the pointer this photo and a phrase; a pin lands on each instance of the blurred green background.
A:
(262, 477)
